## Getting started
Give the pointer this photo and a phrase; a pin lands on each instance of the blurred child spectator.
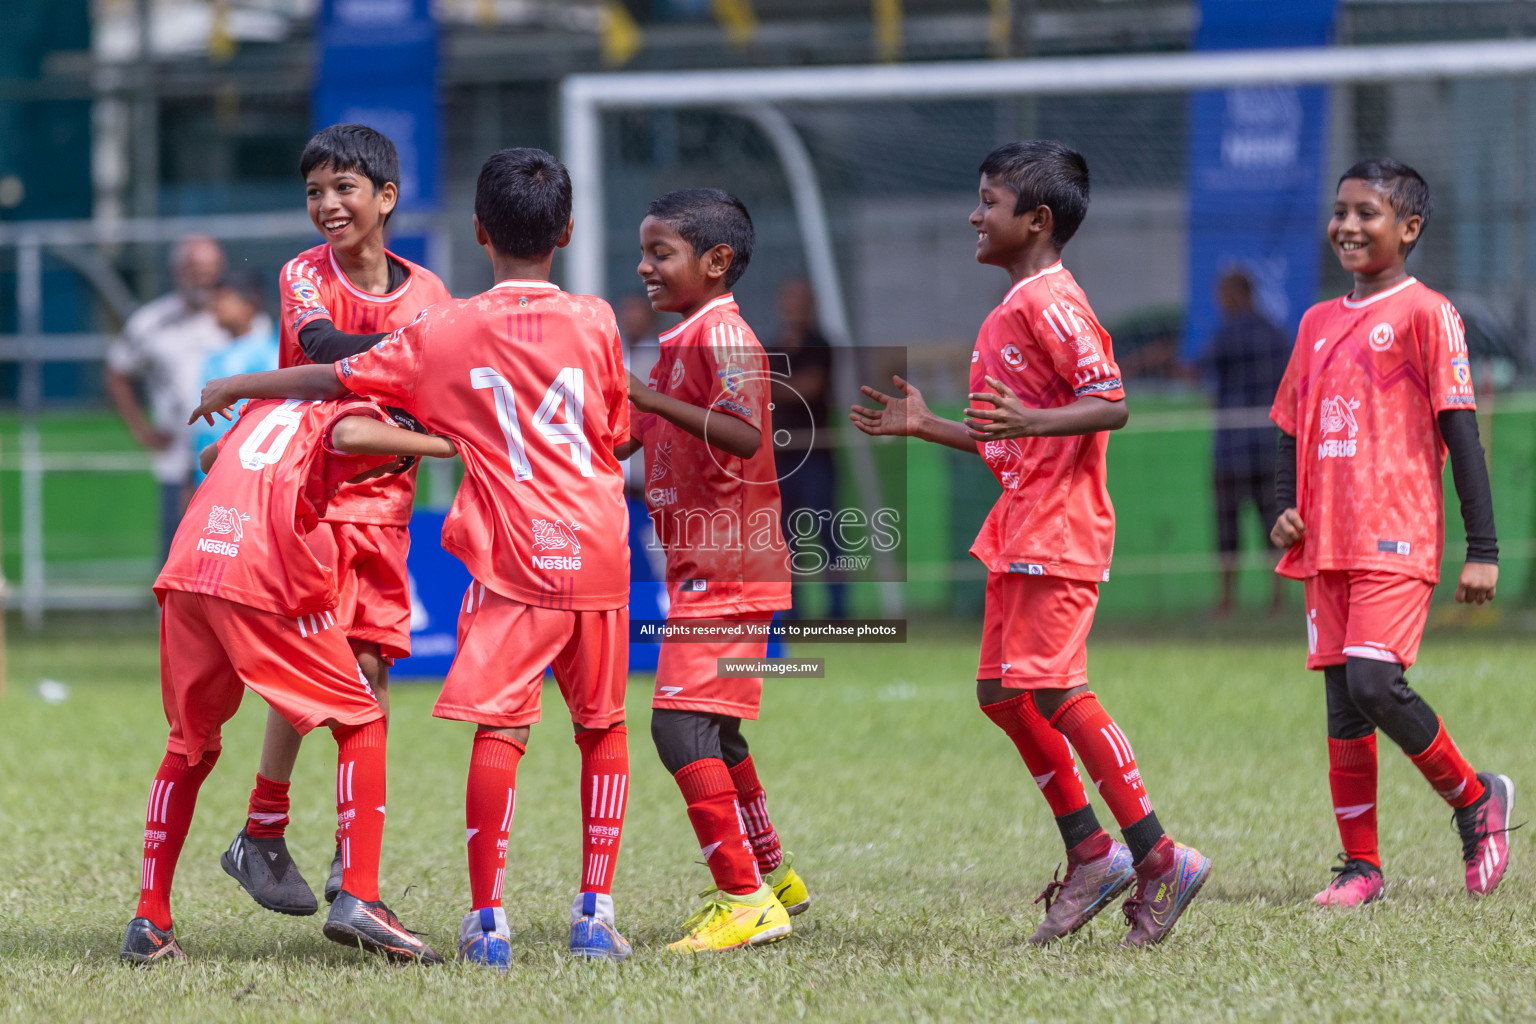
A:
(237, 306)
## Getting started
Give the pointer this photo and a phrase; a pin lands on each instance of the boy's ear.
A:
(565, 236)
(389, 195)
(718, 260)
(1408, 229)
(1040, 220)
(481, 238)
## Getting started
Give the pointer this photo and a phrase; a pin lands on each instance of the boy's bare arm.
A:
(312, 383)
(908, 415)
(729, 434)
(206, 456)
(1009, 417)
(624, 449)
(364, 435)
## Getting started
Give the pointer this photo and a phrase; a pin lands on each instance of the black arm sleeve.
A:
(1469, 470)
(1285, 471)
(323, 343)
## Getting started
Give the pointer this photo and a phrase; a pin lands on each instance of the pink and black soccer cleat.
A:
(1090, 886)
(1167, 880)
(1484, 829)
(1356, 882)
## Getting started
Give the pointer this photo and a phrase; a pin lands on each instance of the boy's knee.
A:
(992, 691)
(1375, 686)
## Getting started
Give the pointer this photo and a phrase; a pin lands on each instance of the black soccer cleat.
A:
(375, 928)
(333, 881)
(145, 944)
(264, 869)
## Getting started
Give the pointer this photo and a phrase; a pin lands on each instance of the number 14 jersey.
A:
(529, 383)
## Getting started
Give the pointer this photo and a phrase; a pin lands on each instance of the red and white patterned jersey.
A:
(1054, 517)
(1360, 395)
(529, 383)
(716, 515)
(315, 286)
(243, 537)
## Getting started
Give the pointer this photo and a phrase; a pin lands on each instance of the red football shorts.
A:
(686, 679)
(212, 649)
(1034, 634)
(374, 592)
(1378, 615)
(504, 647)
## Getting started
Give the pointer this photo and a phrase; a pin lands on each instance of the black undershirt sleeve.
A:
(1469, 470)
(1285, 471)
(323, 343)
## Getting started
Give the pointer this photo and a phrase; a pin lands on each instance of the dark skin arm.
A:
(364, 435)
(206, 456)
(727, 433)
(1010, 418)
(625, 449)
(313, 383)
(120, 391)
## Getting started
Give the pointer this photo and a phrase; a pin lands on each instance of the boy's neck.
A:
(1367, 285)
(1031, 261)
(710, 296)
(367, 267)
(508, 268)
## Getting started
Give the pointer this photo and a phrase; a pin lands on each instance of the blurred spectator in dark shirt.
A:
(802, 435)
(1246, 360)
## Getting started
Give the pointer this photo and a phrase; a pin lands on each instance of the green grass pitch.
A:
(915, 824)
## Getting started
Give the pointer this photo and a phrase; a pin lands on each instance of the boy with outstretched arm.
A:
(529, 382)
(705, 425)
(350, 282)
(245, 602)
(1377, 392)
(1045, 391)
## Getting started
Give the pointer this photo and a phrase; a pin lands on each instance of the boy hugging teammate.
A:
(1377, 392)
(529, 382)
(1044, 391)
(245, 602)
(713, 492)
(349, 283)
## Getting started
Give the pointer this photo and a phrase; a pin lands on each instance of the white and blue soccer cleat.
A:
(485, 939)
(593, 935)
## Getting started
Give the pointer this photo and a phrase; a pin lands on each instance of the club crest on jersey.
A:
(1013, 357)
(224, 522)
(1461, 370)
(1000, 451)
(731, 377)
(677, 372)
(556, 535)
(1337, 416)
(304, 291)
(663, 462)
(1381, 337)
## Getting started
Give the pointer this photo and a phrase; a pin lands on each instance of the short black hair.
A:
(705, 218)
(1044, 172)
(1406, 188)
(245, 283)
(353, 147)
(523, 200)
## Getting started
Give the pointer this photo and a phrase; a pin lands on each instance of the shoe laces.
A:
(1348, 869)
(711, 907)
(1131, 907)
(1475, 831)
(1053, 888)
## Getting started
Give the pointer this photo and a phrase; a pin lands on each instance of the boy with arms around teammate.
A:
(1377, 393)
(348, 283)
(705, 425)
(245, 601)
(1044, 392)
(529, 383)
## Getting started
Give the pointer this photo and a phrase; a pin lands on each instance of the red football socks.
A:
(604, 792)
(490, 800)
(360, 790)
(1045, 752)
(1352, 781)
(267, 812)
(1107, 755)
(172, 799)
(717, 821)
(1449, 772)
(754, 812)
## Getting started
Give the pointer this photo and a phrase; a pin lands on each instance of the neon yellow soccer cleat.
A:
(789, 887)
(729, 922)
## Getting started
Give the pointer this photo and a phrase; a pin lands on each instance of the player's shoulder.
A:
(312, 264)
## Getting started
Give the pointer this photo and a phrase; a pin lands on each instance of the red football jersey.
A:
(529, 383)
(314, 285)
(243, 535)
(716, 515)
(1360, 395)
(1054, 517)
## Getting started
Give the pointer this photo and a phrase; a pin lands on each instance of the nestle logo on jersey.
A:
(218, 547)
(1337, 416)
(554, 562)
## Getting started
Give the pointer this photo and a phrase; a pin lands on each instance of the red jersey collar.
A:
(1053, 268)
(346, 282)
(523, 284)
(1360, 303)
(716, 303)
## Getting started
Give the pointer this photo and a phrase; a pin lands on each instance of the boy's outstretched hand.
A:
(1288, 529)
(219, 398)
(897, 417)
(1478, 583)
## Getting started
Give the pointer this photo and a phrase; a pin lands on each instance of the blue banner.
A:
(1255, 160)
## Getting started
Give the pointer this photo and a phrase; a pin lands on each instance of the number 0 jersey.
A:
(315, 287)
(1054, 517)
(1360, 395)
(243, 537)
(529, 382)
